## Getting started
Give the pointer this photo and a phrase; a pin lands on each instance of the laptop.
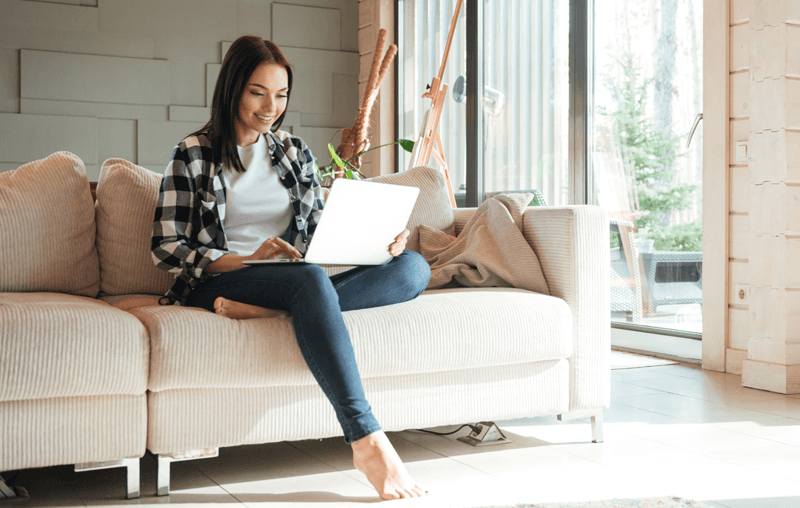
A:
(358, 224)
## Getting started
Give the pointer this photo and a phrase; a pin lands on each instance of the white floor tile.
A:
(784, 430)
(693, 409)
(779, 460)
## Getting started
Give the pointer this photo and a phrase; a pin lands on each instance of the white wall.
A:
(131, 78)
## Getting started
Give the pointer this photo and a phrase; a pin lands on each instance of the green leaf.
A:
(339, 162)
(349, 174)
(406, 144)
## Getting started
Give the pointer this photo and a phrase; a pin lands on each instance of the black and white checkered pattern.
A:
(187, 228)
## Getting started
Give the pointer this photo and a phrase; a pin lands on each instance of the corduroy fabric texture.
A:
(572, 244)
(58, 345)
(127, 196)
(490, 251)
(433, 203)
(47, 231)
(442, 331)
(460, 218)
(182, 420)
(72, 430)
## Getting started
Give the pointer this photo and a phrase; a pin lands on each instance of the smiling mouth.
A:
(265, 118)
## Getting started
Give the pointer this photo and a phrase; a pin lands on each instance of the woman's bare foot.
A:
(238, 310)
(375, 456)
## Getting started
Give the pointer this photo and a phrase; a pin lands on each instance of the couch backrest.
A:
(127, 196)
(47, 228)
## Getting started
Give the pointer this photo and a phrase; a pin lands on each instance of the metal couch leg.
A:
(596, 416)
(597, 428)
(164, 461)
(132, 466)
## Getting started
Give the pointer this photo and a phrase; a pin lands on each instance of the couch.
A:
(93, 372)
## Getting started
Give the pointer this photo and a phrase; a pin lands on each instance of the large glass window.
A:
(525, 98)
(648, 87)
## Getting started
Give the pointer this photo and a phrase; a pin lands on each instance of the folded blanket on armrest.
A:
(489, 252)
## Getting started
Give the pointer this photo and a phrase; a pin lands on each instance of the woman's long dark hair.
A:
(244, 55)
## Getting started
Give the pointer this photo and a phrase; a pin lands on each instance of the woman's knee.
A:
(418, 271)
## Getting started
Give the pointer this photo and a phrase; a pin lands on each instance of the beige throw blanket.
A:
(489, 252)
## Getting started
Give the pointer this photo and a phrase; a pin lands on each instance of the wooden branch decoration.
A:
(354, 139)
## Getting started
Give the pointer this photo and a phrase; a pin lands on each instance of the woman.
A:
(240, 189)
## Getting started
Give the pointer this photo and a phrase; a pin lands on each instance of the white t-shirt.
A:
(257, 205)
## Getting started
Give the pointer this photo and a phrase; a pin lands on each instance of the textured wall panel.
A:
(253, 18)
(155, 140)
(739, 320)
(189, 114)
(62, 76)
(740, 10)
(212, 71)
(312, 92)
(317, 139)
(349, 30)
(116, 139)
(16, 13)
(96, 109)
(70, 41)
(322, 61)
(187, 57)
(9, 81)
(51, 134)
(740, 190)
(306, 27)
(740, 94)
(209, 19)
(740, 47)
(739, 237)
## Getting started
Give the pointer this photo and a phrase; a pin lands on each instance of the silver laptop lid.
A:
(359, 222)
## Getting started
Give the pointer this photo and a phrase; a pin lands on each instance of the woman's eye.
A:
(258, 94)
(282, 96)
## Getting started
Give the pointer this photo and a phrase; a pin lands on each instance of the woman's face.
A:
(263, 101)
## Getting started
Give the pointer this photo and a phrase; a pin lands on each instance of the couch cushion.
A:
(433, 203)
(439, 331)
(57, 345)
(127, 196)
(47, 234)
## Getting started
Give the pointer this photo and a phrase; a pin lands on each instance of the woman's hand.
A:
(273, 248)
(399, 244)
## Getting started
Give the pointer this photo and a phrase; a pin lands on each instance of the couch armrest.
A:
(571, 243)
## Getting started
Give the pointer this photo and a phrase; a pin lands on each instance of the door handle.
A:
(694, 127)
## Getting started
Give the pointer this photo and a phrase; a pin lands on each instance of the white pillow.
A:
(433, 207)
(47, 231)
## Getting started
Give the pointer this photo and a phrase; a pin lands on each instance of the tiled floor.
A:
(671, 430)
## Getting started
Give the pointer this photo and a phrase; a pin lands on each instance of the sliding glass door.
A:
(648, 86)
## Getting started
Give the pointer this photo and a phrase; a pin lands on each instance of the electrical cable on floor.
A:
(475, 428)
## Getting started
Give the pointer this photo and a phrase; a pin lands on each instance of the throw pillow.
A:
(47, 231)
(127, 196)
(433, 204)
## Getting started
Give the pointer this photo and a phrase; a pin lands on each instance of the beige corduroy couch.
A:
(93, 372)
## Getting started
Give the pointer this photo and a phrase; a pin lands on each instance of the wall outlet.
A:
(741, 151)
(742, 292)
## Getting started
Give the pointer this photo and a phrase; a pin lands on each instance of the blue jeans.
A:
(316, 303)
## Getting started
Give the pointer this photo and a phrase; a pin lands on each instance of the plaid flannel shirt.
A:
(188, 225)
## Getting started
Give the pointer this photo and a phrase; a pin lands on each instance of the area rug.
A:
(624, 360)
(652, 502)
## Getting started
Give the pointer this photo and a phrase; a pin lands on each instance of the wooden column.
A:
(773, 349)
(372, 16)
